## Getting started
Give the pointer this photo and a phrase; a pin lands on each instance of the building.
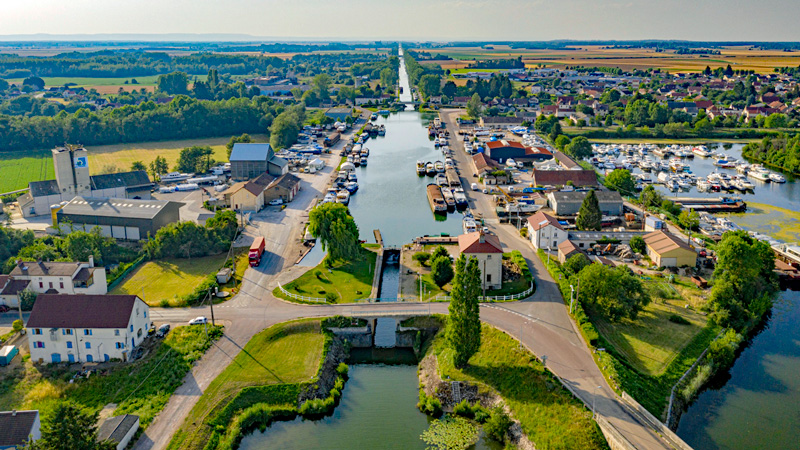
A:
(251, 160)
(132, 220)
(253, 195)
(86, 328)
(285, 187)
(577, 178)
(566, 250)
(52, 278)
(118, 429)
(489, 253)
(73, 179)
(544, 231)
(503, 150)
(339, 114)
(17, 428)
(667, 250)
(569, 203)
(500, 121)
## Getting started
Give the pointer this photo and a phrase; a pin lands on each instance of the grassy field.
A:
(780, 223)
(18, 168)
(164, 282)
(550, 416)
(282, 354)
(349, 281)
(140, 388)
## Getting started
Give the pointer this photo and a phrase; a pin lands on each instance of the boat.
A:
(441, 179)
(725, 164)
(420, 168)
(173, 177)
(430, 169)
(461, 198)
(373, 117)
(436, 199)
(449, 199)
(439, 166)
(776, 178)
(758, 174)
(382, 130)
(469, 225)
(364, 151)
(364, 161)
(703, 185)
(436, 142)
(746, 185)
(352, 176)
(357, 160)
(343, 197)
(701, 151)
(351, 186)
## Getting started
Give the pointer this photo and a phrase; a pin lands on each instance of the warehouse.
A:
(668, 250)
(252, 160)
(118, 218)
(569, 203)
(501, 151)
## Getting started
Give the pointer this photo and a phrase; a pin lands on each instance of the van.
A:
(475, 187)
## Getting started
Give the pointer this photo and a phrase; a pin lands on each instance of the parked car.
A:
(201, 320)
(162, 330)
(276, 202)
(4, 308)
(151, 330)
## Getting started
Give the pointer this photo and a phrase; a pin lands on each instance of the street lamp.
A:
(594, 400)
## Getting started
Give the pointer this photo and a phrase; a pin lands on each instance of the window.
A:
(37, 331)
(41, 285)
(89, 358)
(88, 345)
(119, 345)
(66, 331)
(580, 245)
(131, 328)
(38, 344)
(116, 332)
(87, 332)
(69, 344)
(145, 314)
(555, 243)
(488, 278)
(51, 285)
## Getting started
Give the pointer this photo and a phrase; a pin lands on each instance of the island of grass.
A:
(335, 282)
(141, 388)
(268, 373)
(550, 416)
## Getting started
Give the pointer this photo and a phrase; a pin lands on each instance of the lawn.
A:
(18, 168)
(141, 388)
(348, 280)
(164, 282)
(550, 416)
(280, 355)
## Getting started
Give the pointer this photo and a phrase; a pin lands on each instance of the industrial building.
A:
(71, 166)
(252, 160)
(569, 203)
(118, 218)
(501, 151)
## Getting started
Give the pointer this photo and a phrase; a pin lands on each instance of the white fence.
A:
(301, 297)
(493, 298)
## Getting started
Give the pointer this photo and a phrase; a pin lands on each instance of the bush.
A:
(637, 244)
(481, 414)
(17, 326)
(331, 297)
(674, 318)
(26, 299)
(442, 270)
(498, 424)
(421, 257)
(342, 370)
(199, 294)
(519, 260)
(429, 405)
(722, 350)
(343, 322)
(464, 409)
(440, 251)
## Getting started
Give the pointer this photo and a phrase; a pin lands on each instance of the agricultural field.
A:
(740, 58)
(18, 168)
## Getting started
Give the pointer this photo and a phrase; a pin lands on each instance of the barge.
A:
(436, 199)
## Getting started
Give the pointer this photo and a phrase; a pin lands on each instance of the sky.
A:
(519, 20)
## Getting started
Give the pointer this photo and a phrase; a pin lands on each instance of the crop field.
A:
(18, 168)
(740, 58)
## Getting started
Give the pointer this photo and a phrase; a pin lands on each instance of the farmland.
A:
(18, 168)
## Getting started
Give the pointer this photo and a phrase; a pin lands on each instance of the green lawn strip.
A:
(19, 168)
(349, 280)
(270, 369)
(550, 416)
(142, 388)
(514, 286)
(635, 350)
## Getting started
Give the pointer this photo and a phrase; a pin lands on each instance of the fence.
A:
(493, 298)
(301, 297)
(120, 277)
(685, 374)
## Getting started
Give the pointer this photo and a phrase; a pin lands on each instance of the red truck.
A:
(256, 250)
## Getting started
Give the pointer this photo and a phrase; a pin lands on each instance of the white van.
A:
(475, 187)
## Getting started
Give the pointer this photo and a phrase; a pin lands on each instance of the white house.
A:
(544, 231)
(489, 252)
(17, 428)
(53, 278)
(86, 328)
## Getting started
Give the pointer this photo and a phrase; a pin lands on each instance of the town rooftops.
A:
(251, 152)
(45, 268)
(81, 311)
(16, 427)
(116, 207)
(116, 428)
(479, 242)
(541, 220)
(286, 181)
(561, 177)
(662, 242)
(14, 287)
(566, 161)
(482, 162)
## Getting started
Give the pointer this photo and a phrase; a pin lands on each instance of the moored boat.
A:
(430, 169)
(436, 199)
(439, 166)
(420, 168)
(461, 198)
(449, 199)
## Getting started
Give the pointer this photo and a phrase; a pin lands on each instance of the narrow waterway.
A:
(377, 411)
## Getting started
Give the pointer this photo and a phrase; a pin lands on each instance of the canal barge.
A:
(449, 199)
(436, 199)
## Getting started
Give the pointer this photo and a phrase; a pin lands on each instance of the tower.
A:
(72, 170)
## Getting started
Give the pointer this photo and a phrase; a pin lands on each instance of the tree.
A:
(622, 181)
(158, 167)
(562, 141)
(589, 216)
(322, 86)
(638, 245)
(4, 85)
(464, 323)
(440, 251)
(474, 106)
(430, 84)
(579, 148)
(650, 197)
(17, 325)
(613, 293)
(449, 89)
(556, 130)
(195, 159)
(388, 78)
(243, 139)
(173, 83)
(776, 120)
(689, 219)
(336, 229)
(34, 82)
(703, 126)
(575, 264)
(441, 270)
(67, 427)
(138, 165)
(286, 127)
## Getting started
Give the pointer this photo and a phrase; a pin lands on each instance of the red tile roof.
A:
(541, 220)
(471, 243)
(81, 311)
(504, 143)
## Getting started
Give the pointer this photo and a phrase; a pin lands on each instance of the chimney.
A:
(91, 260)
(482, 238)
(14, 413)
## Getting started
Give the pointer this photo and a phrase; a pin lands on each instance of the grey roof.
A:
(278, 161)
(287, 181)
(115, 207)
(43, 188)
(121, 179)
(115, 428)
(81, 311)
(16, 427)
(44, 268)
(578, 196)
(251, 152)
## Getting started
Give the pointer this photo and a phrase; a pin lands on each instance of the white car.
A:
(201, 320)
(276, 202)
(475, 187)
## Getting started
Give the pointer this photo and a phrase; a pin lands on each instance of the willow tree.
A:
(336, 230)
(464, 323)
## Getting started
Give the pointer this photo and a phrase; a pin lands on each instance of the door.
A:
(117, 232)
(89, 358)
(56, 357)
(105, 357)
(71, 358)
(132, 233)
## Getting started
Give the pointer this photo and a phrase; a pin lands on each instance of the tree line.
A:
(782, 151)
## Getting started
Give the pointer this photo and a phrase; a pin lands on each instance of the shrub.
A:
(440, 251)
(464, 409)
(523, 232)
(674, 318)
(429, 405)
(481, 414)
(17, 325)
(342, 370)
(498, 424)
(27, 298)
(421, 257)
(442, 270)
(638, 245)
(331, 297)
(722, 350)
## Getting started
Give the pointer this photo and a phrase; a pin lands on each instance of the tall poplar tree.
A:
(464, 323)
(589, 216)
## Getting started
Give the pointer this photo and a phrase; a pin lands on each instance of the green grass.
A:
(280, 355)
(91, 81)
(141, 388)
(550, 416)
(348, 280)
(19, 168)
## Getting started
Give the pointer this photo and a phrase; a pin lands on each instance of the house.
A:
(245, 196)
(128, 219)
(86, 328)
(544, 231)
(569, 203)
(502, 150)
(566, 162)
(339, 114)
(285, 187)
(578, 178)
(483, 164)
(566, 250)
(17, 428)
(667, 250)
(460, 101)
(54, 278)
(119, 430)
(71, 166)
(251, 160)
(489, 253)
(10, 290)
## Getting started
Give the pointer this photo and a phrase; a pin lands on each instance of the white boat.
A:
(776, 178)
(469, 225)
(703, 185)
(439, 166)
(461, 198)
(441, 179)
(760, 175)
(173, 177)
(701, 151)
(430, 169)
(746, 185)
(343, 197)
(420, 168)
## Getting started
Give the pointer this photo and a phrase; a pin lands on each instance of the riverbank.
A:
(780, 223)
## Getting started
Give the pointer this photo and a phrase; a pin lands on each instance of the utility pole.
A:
(483, 282)
(211, 304)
